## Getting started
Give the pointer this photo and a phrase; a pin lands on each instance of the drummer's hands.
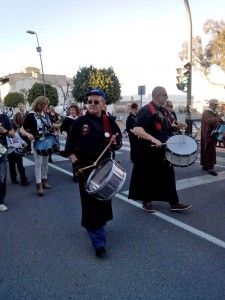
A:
(156, 142)
(30, 136)
(113, 139)
(76, 167)
(181, 126)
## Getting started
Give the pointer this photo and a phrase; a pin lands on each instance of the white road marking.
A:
(183, 184)
(60, 169)
(177, 223)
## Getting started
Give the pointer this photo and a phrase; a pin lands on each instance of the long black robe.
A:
(152, 176)
(87, 140)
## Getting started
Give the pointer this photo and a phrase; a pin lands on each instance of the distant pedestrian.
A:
(20, 115)
(172, 118)
(74, 113)
(18, 121)
(15, 158)
(211, 118)
(130, 123)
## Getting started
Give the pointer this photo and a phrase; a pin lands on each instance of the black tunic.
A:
(152, 176)
(86, 139)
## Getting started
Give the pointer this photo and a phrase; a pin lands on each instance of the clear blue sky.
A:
(139, 39)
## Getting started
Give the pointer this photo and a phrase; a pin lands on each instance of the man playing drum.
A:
(152, 176)
(88, 137)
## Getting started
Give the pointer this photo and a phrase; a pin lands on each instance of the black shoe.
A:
(15, 181)
(180, 207)
(50, 160)
(213, 173)
(100, 252)
(148, 207)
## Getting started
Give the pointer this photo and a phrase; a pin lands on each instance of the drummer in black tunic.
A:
(152, 176)
(88, 137)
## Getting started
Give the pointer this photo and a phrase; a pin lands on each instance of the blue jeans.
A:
(98, 237)
(3, 171)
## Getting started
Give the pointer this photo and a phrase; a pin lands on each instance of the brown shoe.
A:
(45, 184)
(180, 207)
(40, 190)
(148, 207)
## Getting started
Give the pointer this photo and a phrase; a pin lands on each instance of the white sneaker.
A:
(3, 208)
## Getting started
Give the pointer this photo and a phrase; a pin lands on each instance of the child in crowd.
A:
(15, 157)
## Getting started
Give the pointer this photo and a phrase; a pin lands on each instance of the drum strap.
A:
(106, 124)
(153, 110)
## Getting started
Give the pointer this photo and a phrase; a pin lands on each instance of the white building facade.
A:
(24, 81)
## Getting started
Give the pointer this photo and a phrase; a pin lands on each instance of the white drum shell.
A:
(181, 150)
(106, 180)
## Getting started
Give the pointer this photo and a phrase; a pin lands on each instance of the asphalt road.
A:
(46, 254)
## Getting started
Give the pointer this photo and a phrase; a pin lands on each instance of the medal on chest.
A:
(85, 129)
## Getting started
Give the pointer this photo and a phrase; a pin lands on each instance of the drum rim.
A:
(114, 165)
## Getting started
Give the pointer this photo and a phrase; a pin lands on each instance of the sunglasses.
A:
(170, 106)
(96, 102)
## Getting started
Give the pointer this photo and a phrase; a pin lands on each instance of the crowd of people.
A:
(93, 132)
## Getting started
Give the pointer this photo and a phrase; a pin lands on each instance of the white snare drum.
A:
(106, 180)
(181, 150)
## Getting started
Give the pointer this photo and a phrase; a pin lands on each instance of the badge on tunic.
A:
(85, 129)
(107, 135)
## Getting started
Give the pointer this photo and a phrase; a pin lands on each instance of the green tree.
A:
(37, 90)
(12, 99)
(212, 53)
(88, 78)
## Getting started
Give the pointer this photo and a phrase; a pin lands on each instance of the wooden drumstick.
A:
(183, 135)
(95, 163)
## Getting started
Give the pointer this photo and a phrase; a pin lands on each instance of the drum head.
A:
(45, 142)
(106, 180)
(181, 144)
(99, 175)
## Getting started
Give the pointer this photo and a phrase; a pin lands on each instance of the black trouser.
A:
(16, 160)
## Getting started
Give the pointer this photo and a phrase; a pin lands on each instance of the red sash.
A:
(106, 124)
(153, 110)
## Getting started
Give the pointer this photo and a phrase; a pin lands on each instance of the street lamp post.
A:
(39, 51)
(189, 86)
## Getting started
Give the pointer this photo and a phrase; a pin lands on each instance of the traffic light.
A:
(183, 77)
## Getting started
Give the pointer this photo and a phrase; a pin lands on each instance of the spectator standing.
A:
(36, 124)
(6, 129)
(15, 158)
